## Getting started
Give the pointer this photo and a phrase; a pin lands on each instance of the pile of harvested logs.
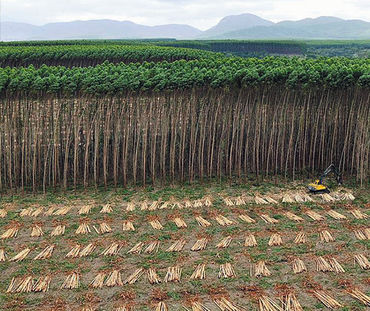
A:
(177, 246)
(275, 240)
(301, 238)
(83, 228)
(36, 230)
(225, 242)
(106, 209)
(127, 225)
(153, 277)
(114, 279)
(293, 217)
(199, 272)
(269, 220)
(74, 252)
(173, 274)
(298, 266)
(87, 250)
(98, 280)
(200, 244)
(133, 277)
(45, 253)
(112, 250)
(325, 236)
(58, 230)
(314, 216)
(202, 222)
(362, 261)
(250, 240)
(21, 255)
(226, 271)
(260, 269)
(152, 247)
(72, 281)
(137, 248)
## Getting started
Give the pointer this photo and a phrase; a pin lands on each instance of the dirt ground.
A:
(175, 294)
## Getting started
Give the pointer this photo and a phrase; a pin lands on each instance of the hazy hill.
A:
(319, 28)
(94, 29)
(236, 22)
(244, 26)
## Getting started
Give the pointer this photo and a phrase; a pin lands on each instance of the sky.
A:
(202, 14)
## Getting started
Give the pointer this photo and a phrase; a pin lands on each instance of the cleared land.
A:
(184, 246)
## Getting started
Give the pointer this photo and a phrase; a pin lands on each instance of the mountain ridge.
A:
(94, 29)
(337, 30)
(236, 22)
(242, 26)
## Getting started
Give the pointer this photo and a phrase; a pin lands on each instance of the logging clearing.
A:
(141, 245)
(140, 177)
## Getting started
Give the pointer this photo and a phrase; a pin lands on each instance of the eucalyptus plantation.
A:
(182, 121)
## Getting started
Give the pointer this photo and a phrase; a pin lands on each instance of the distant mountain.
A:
(94, 29)
(16, 31)
(318, 28)
(244, 26)
(312, 21)
(236, 22)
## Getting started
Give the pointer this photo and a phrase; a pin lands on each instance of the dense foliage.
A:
(338, 48)
(91, 55)
(215, 72)
(262, 48)
(244, 48)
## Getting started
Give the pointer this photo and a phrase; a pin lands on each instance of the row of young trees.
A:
(213, 71)
(311, 48)
(287, 47)
(91, 55)
(152, 137)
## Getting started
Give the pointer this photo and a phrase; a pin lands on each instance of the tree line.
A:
(285, 47)
(244, 48)
(213, 71)
(91, 55)
(162, 122)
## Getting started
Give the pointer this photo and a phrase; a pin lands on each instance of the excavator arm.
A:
(331, 168)
(319, 187)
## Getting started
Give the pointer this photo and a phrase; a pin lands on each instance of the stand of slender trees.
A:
(170, 136)
(92, 55)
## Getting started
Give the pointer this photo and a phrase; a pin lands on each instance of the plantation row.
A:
(312, 48)
(91, 55)
(181, 136)
(215, 72)
(223, 117)
(241, 46)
